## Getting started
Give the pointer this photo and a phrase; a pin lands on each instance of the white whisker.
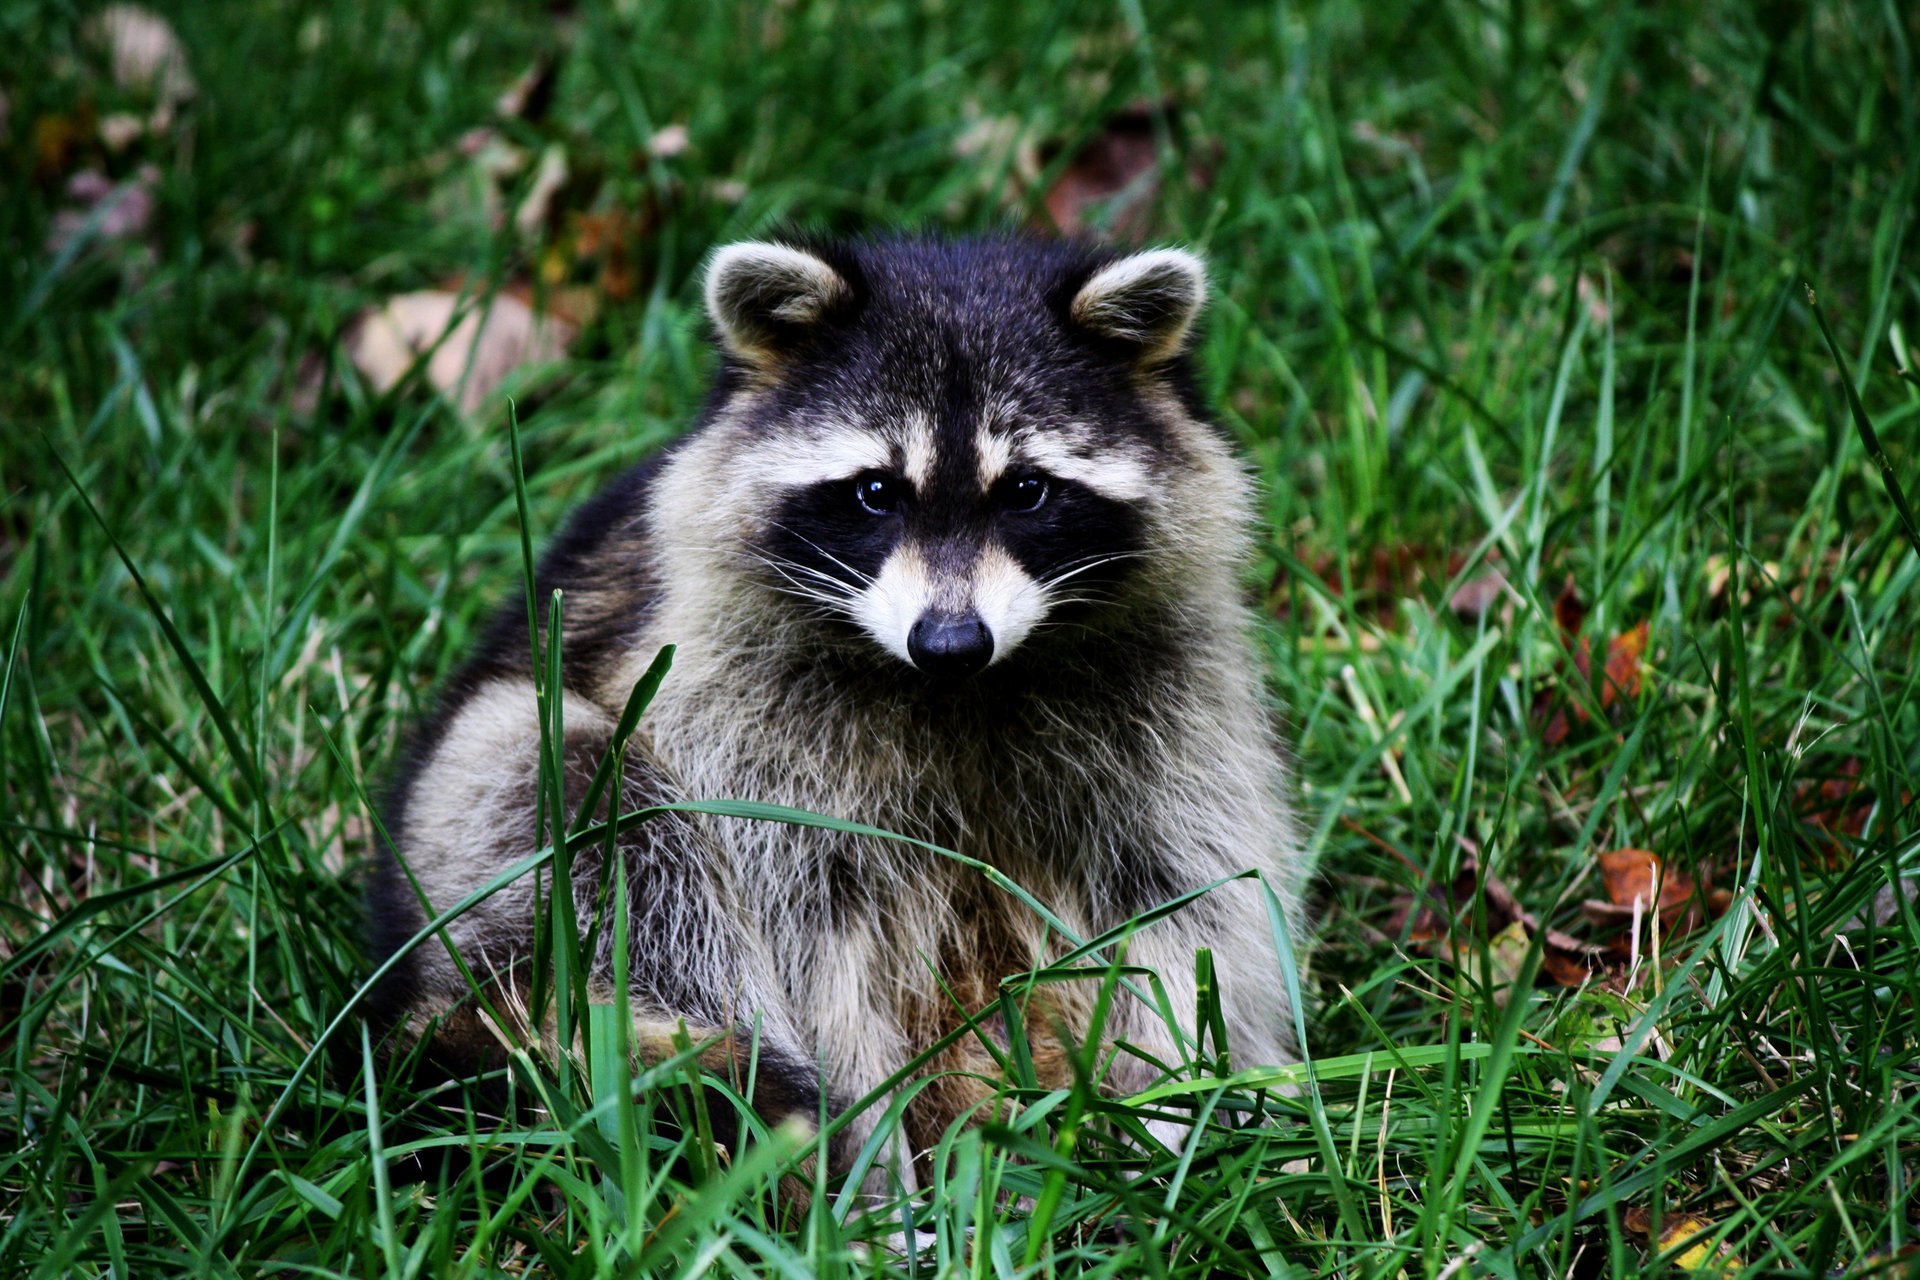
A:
(865, 580)
(837, 600)
(1075, 568)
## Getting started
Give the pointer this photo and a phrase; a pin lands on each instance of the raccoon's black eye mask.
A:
(881, 494)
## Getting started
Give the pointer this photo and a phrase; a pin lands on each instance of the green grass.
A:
(1507, 286)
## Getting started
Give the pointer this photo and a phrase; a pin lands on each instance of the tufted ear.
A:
(1148, 299)
(761, 296)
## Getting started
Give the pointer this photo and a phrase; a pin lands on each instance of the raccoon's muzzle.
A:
(950, 647)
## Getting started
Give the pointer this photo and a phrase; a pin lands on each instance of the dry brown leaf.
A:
(483, 342)
(1904, 1261)
(1506, 954)
(605, 246)
(1428, 922)
(1839, 808)
(1569, 610)
(1624, 654)
(1640, 886)
(1436, 922)
(1622, 671)
(1111, 183)
(1371, 584)
(1852, 819)
(1566, 960)
(1569, 961)
(1632, 877)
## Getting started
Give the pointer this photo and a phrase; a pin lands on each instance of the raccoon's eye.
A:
(1024, 491)
(880, 494)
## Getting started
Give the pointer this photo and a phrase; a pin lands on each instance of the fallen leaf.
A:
(1569, 610)
(1569, 961)
(1622, 671)
(548, 178)
(1632, 877)
(1370, 584)
(1839, 808)
(604, 246)
(1429, 921)
(1474, 597)
(668, 142)
(1904, 1261)
(111, 212)
(121, 130)
(1676, 1230)
(1640, 886)
(475, 343)
(1433, 926)
(143, 52)
(530, 94)
(1697, 1251)
(1624, 654)
(1506, 956)
(1111, 182)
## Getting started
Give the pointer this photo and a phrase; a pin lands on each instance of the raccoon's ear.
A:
(761, 296)
(1147, 299)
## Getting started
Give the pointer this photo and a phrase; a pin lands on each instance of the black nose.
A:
(950, 646)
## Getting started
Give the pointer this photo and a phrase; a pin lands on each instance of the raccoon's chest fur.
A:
(1066, 778)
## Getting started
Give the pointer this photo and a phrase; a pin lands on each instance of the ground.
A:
(1572, 345)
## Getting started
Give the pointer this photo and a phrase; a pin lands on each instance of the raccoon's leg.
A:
(1232, 923)
(852, 982)
(469, 813)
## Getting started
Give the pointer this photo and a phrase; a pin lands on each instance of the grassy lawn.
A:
(1594, 610)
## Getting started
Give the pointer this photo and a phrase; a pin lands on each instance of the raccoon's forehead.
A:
(936, 413)
(947, 451)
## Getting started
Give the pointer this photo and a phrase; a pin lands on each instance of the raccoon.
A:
(952, 551)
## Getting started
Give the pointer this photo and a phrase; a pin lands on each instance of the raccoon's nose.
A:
(945, 646)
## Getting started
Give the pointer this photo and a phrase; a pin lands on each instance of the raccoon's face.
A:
(949, 448)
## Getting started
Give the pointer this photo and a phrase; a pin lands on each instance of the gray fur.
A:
(1118, 751)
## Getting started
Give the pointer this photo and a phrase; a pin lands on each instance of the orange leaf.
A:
(1632, 876)
(1635, 878)
(1624, 652)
